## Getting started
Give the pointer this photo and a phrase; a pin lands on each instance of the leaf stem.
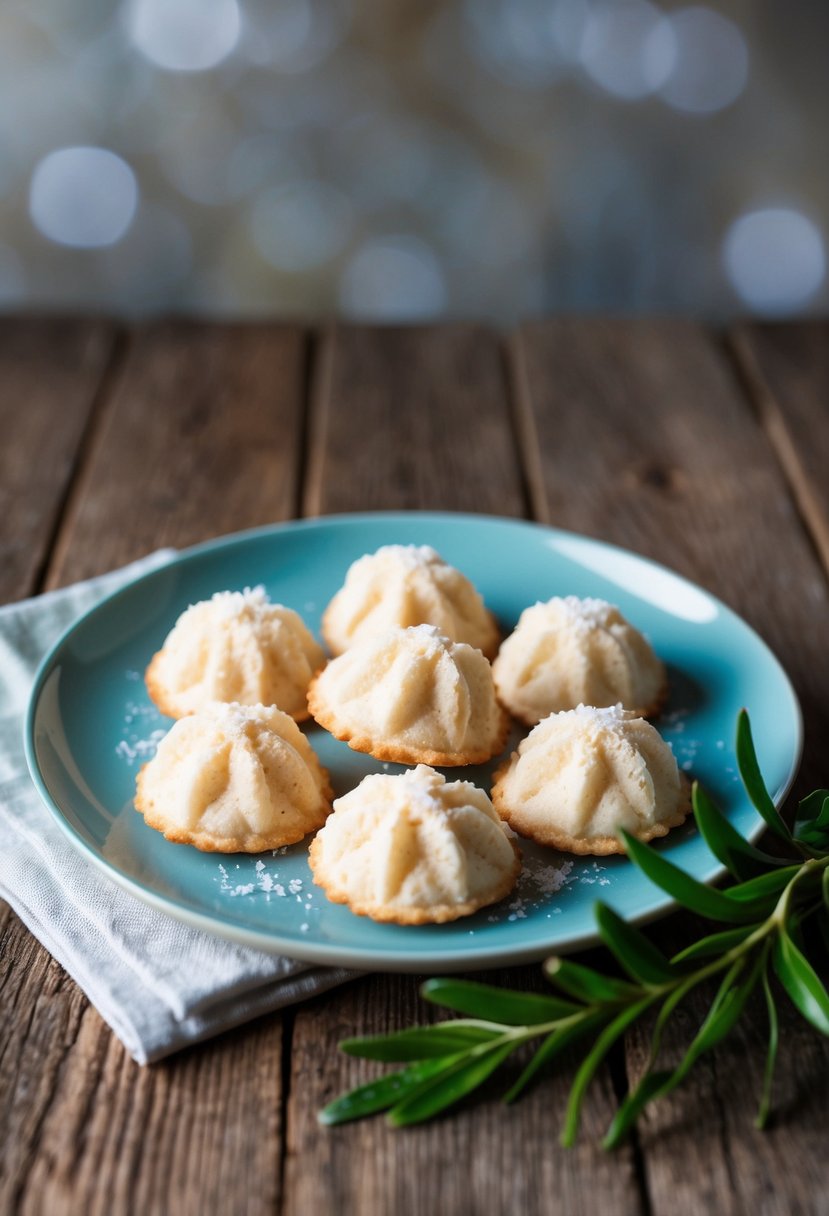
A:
(813, 865)
(764, 912)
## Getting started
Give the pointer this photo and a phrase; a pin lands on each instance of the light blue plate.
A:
(91, 726)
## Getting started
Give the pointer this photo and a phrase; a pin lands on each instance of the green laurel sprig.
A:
(770, 909)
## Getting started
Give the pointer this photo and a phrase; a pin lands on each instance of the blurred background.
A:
(414, 159)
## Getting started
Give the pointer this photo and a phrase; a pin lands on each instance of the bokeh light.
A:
(293, 36)
(263, 158)
(393, 278)
(384, 158)
(487, 222)
(628, 48)
(197, 158)
(516, 39)
(300, 225)
(85, 197)
(184, 35)
(775, 259)
(568, 21)
(711, 64)
(490, 159)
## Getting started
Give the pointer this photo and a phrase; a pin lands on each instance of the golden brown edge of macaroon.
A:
(208, 843)
(403, 755)
(595, 846)
(156, 694)
(419, 916)
(652, 711)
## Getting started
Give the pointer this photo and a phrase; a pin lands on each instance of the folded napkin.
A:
(159, 984)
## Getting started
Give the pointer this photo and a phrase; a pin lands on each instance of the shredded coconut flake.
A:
(229, 604)
(589, 612)
(538, 882)
(139, 749)
(608, 715)
(264, 881)
(413, 557)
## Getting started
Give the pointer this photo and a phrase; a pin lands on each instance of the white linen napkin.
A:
(159, 984)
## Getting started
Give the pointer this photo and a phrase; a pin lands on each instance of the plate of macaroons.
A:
(403, 741)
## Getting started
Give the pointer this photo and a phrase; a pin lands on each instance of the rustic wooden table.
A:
(706, 451)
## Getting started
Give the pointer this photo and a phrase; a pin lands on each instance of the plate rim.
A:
(473, 958)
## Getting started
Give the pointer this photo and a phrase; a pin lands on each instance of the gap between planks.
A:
(424, 370)
(768, 409)
(527, 439)
(101, 467)
(648, 440)
(84, 459)
(527, 442)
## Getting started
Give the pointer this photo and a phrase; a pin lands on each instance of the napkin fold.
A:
(158, 983)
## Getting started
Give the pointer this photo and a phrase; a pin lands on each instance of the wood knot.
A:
(659, 477)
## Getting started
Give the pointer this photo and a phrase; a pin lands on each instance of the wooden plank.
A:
(643, 438)
(83, 1128)
(786, 369)
(201, 436)
(701, 1149)
(409, 419)
(421, 419)
(482, 1157)
(50, 375)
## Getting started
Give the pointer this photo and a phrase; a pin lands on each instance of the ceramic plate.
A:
(91, 726)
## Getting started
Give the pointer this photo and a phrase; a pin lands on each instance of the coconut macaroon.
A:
(582, 775)
(407, 585)
(414, 849)
(234, 779)
(236, 646)
(412, 696)
(570, 652)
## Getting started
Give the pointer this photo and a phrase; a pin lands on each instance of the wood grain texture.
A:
(701, 1149)
(50, 374)
(410, 419)
(83, 1128)
(422, 419)
(643, 438)
(483, 1157)
(200, 437)
(786, 369)
(640, 433)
